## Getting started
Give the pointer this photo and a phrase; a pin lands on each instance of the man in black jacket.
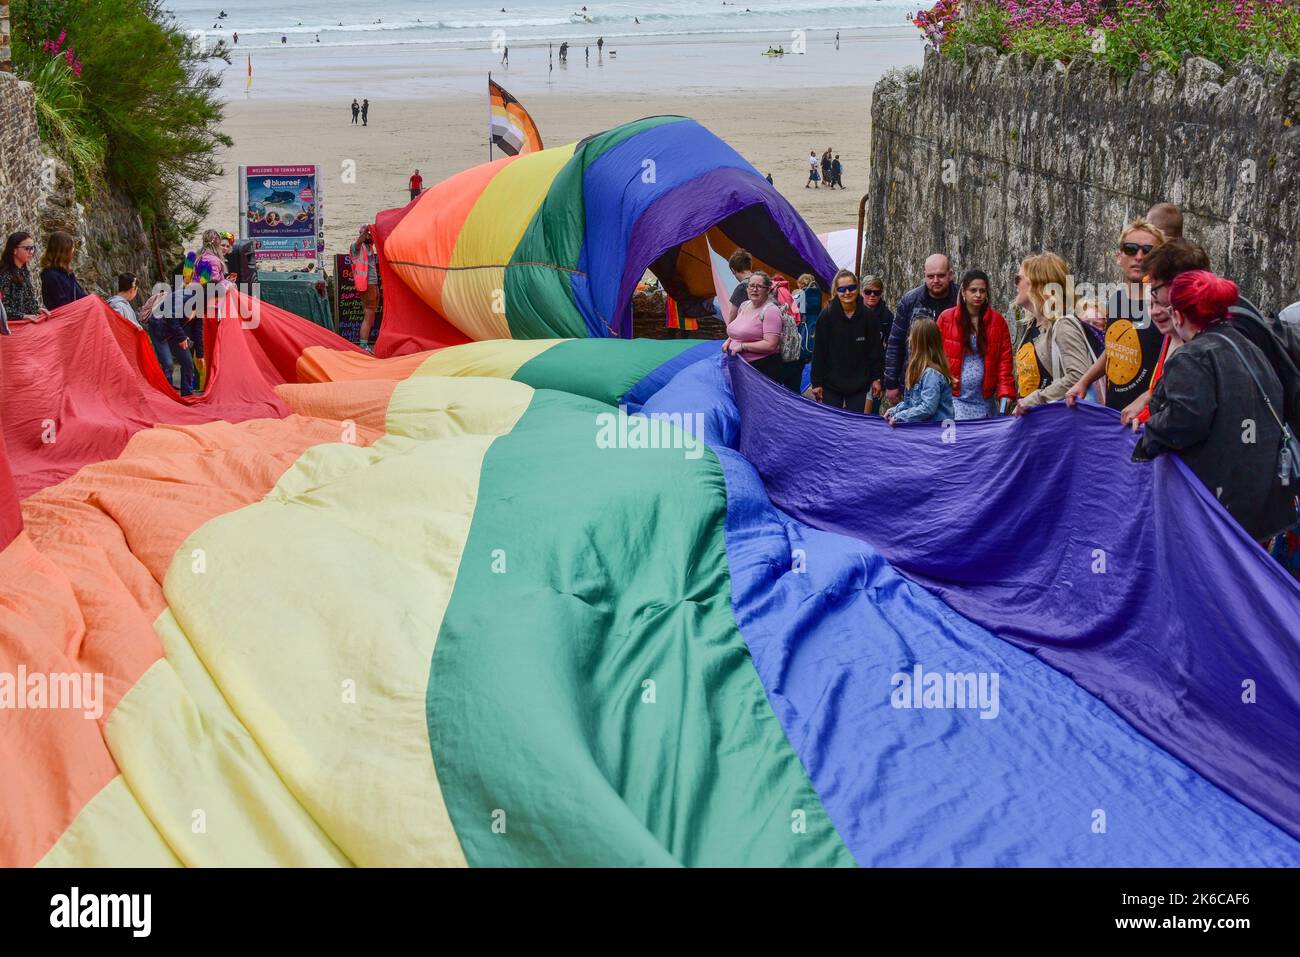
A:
(848, 361)
(930, 299)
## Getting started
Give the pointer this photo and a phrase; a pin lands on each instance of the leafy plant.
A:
(1123, 33)
(135, 105)
(63, 122)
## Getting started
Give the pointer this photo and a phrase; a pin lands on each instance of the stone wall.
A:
(37, 194)
(1001, 157)
(6, 58)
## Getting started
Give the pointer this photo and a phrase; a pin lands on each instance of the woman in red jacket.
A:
(977, 341)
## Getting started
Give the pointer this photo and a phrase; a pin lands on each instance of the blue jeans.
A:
(166, 352)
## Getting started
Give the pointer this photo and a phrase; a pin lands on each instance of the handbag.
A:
(1288, 459)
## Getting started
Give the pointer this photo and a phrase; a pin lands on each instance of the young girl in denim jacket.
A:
(929, 386)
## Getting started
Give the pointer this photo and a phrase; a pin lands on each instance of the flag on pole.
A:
(250, 72)
(513, 131)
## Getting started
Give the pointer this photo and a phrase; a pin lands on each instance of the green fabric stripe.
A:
(586, 573)
(601, 369)
(539, 299)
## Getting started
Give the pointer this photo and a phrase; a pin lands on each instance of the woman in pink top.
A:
(755, 333)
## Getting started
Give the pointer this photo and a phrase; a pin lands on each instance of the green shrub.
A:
(143, 114)
(1123, 33)
(64, 124)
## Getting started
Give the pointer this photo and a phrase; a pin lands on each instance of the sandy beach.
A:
(429, 111)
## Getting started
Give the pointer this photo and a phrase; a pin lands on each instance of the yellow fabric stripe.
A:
(496, 224)
(331, 682)
(112, 830)
(195, 787)
(494, 358)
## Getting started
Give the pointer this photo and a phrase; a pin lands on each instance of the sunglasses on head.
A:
(1132, 249)
(843, 289)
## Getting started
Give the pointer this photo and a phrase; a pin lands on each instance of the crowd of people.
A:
(173, 324)
(828, 170)
(1176, 350)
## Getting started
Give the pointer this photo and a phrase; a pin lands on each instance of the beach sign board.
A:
(280, 210)
(347, 302)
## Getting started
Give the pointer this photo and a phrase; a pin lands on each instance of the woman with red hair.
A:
(1212, 407)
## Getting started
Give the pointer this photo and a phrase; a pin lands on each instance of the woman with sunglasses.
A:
(873, 298)
(848, 354)
(16, 287)
(977, 342)
(755, 333)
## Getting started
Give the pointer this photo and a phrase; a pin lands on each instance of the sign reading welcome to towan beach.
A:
(280, 210)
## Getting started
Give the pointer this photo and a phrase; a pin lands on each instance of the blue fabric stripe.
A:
(945, 787)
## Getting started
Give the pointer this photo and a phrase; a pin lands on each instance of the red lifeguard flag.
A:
(513, 130)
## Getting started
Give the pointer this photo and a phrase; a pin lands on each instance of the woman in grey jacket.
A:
(1061, 345)
(1212, 407)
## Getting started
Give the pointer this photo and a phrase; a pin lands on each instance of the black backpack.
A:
(1280, 343)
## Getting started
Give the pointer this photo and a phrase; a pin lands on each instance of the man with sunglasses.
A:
(1133, 342)
(934, 296)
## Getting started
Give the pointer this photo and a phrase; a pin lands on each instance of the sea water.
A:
(263, 23)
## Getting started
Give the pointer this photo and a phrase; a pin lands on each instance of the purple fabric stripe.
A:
(1128, 577)
(693, 208)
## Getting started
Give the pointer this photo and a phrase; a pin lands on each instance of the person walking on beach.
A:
(813, 178)
(826, 168)
(236, 39)
(356, 110)
(837, 170)
(505, 57)
(365, 112)
(588, 56)
(564, 52)
(837, 39)
(416, 184)
(600, 45)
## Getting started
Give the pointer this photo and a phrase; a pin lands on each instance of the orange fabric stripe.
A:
(83, 588)
(333, 365)
(433, 225)
(363, 402)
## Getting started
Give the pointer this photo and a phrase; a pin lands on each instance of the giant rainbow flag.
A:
(553, 244)
(589, 601)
